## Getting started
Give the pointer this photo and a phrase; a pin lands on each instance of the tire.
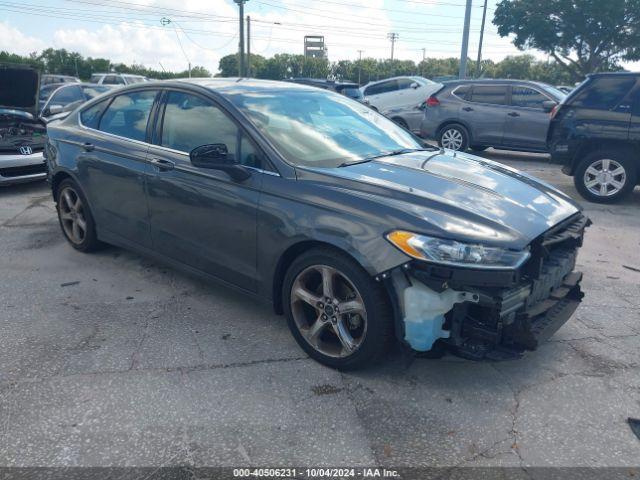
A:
(606, 176)
(454, 137)
(478, 148)
(400, 121)
(73, 215)
(368, 327)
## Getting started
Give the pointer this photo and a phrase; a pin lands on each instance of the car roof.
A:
(322, 81)
(228, 84)
(393, 78)
(620, 74)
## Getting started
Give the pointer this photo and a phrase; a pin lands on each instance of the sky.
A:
(170, 33)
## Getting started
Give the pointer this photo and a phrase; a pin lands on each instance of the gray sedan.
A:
(326, 209)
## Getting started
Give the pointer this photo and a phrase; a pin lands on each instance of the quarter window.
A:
(128, 114)
(493, 94)
(191, 121)
(527, 97)
(91, 116)
(461, 91)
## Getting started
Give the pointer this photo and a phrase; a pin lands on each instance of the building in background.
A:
(314, 46)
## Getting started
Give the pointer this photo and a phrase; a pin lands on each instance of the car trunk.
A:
(21, 131)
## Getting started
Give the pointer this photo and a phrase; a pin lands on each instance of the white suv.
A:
(398, 92)
(116, 78)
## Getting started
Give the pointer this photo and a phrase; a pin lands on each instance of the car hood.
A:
(454, 195)
(19, 86)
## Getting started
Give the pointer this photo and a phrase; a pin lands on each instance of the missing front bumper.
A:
(504, 322)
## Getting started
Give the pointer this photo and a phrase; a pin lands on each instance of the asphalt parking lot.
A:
(111, 359)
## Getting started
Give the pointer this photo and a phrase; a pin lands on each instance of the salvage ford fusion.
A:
(340, 218)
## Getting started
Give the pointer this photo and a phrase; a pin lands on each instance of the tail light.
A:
(432, 101)
(554, 111)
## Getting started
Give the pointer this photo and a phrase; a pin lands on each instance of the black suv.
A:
(348, 89)
(595, 133)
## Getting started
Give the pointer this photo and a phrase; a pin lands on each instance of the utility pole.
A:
(424, 57)
(241, 46)
(393, 37)
(465, 42)
(359, 64)
(189, 69)
(248, 46)
(484, 16)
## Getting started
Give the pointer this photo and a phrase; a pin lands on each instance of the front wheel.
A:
(337, 313)
(454, 137)
(605, 177)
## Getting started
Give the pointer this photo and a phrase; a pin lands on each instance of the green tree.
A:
(582, 36)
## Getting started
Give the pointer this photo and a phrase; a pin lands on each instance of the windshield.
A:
(553, 91)
(320, 128)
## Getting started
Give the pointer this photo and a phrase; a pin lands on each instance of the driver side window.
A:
(191, 121)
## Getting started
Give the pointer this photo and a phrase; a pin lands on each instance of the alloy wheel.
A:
(605, 177)
(71, 211)
(328, 311)
(452, 139)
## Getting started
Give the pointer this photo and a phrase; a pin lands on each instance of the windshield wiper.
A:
(400, 151)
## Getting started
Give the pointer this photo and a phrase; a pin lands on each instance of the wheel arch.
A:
(454, 121)
(56, 179)
(598, 144)
(290, 254)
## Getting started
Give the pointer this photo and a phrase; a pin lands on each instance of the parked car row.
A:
(28, 102)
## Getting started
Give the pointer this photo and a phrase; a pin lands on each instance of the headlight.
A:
(450, 252)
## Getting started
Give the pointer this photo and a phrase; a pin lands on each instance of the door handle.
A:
(162, 164)
(468, 109)
(88, 147)
(513, 114)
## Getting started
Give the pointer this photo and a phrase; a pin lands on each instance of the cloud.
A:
(14, 41)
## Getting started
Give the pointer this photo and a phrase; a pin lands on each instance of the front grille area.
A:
(12, 172)
(518, 317)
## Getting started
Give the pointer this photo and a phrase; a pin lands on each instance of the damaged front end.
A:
(490, 314)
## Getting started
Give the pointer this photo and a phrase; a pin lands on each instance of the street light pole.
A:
(359, 64)
(240, 4)
(484, 16)
(248, 46)
(465, 42)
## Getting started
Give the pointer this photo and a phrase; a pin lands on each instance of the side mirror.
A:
(415, 85)
(548, 105)
(216, 157)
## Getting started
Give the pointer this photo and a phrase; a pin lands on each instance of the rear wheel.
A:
(74, 215)
(454, 137)
(336, 312)
(606, 177)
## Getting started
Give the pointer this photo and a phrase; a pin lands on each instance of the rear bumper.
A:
(22, 168)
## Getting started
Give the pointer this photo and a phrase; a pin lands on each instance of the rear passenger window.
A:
(493, 94)
(404, 83)
(91, 116)
(604, 93)
(527, 97)
(128, 114)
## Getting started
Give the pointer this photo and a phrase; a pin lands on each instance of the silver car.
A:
(505, 114)
(22, 132)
